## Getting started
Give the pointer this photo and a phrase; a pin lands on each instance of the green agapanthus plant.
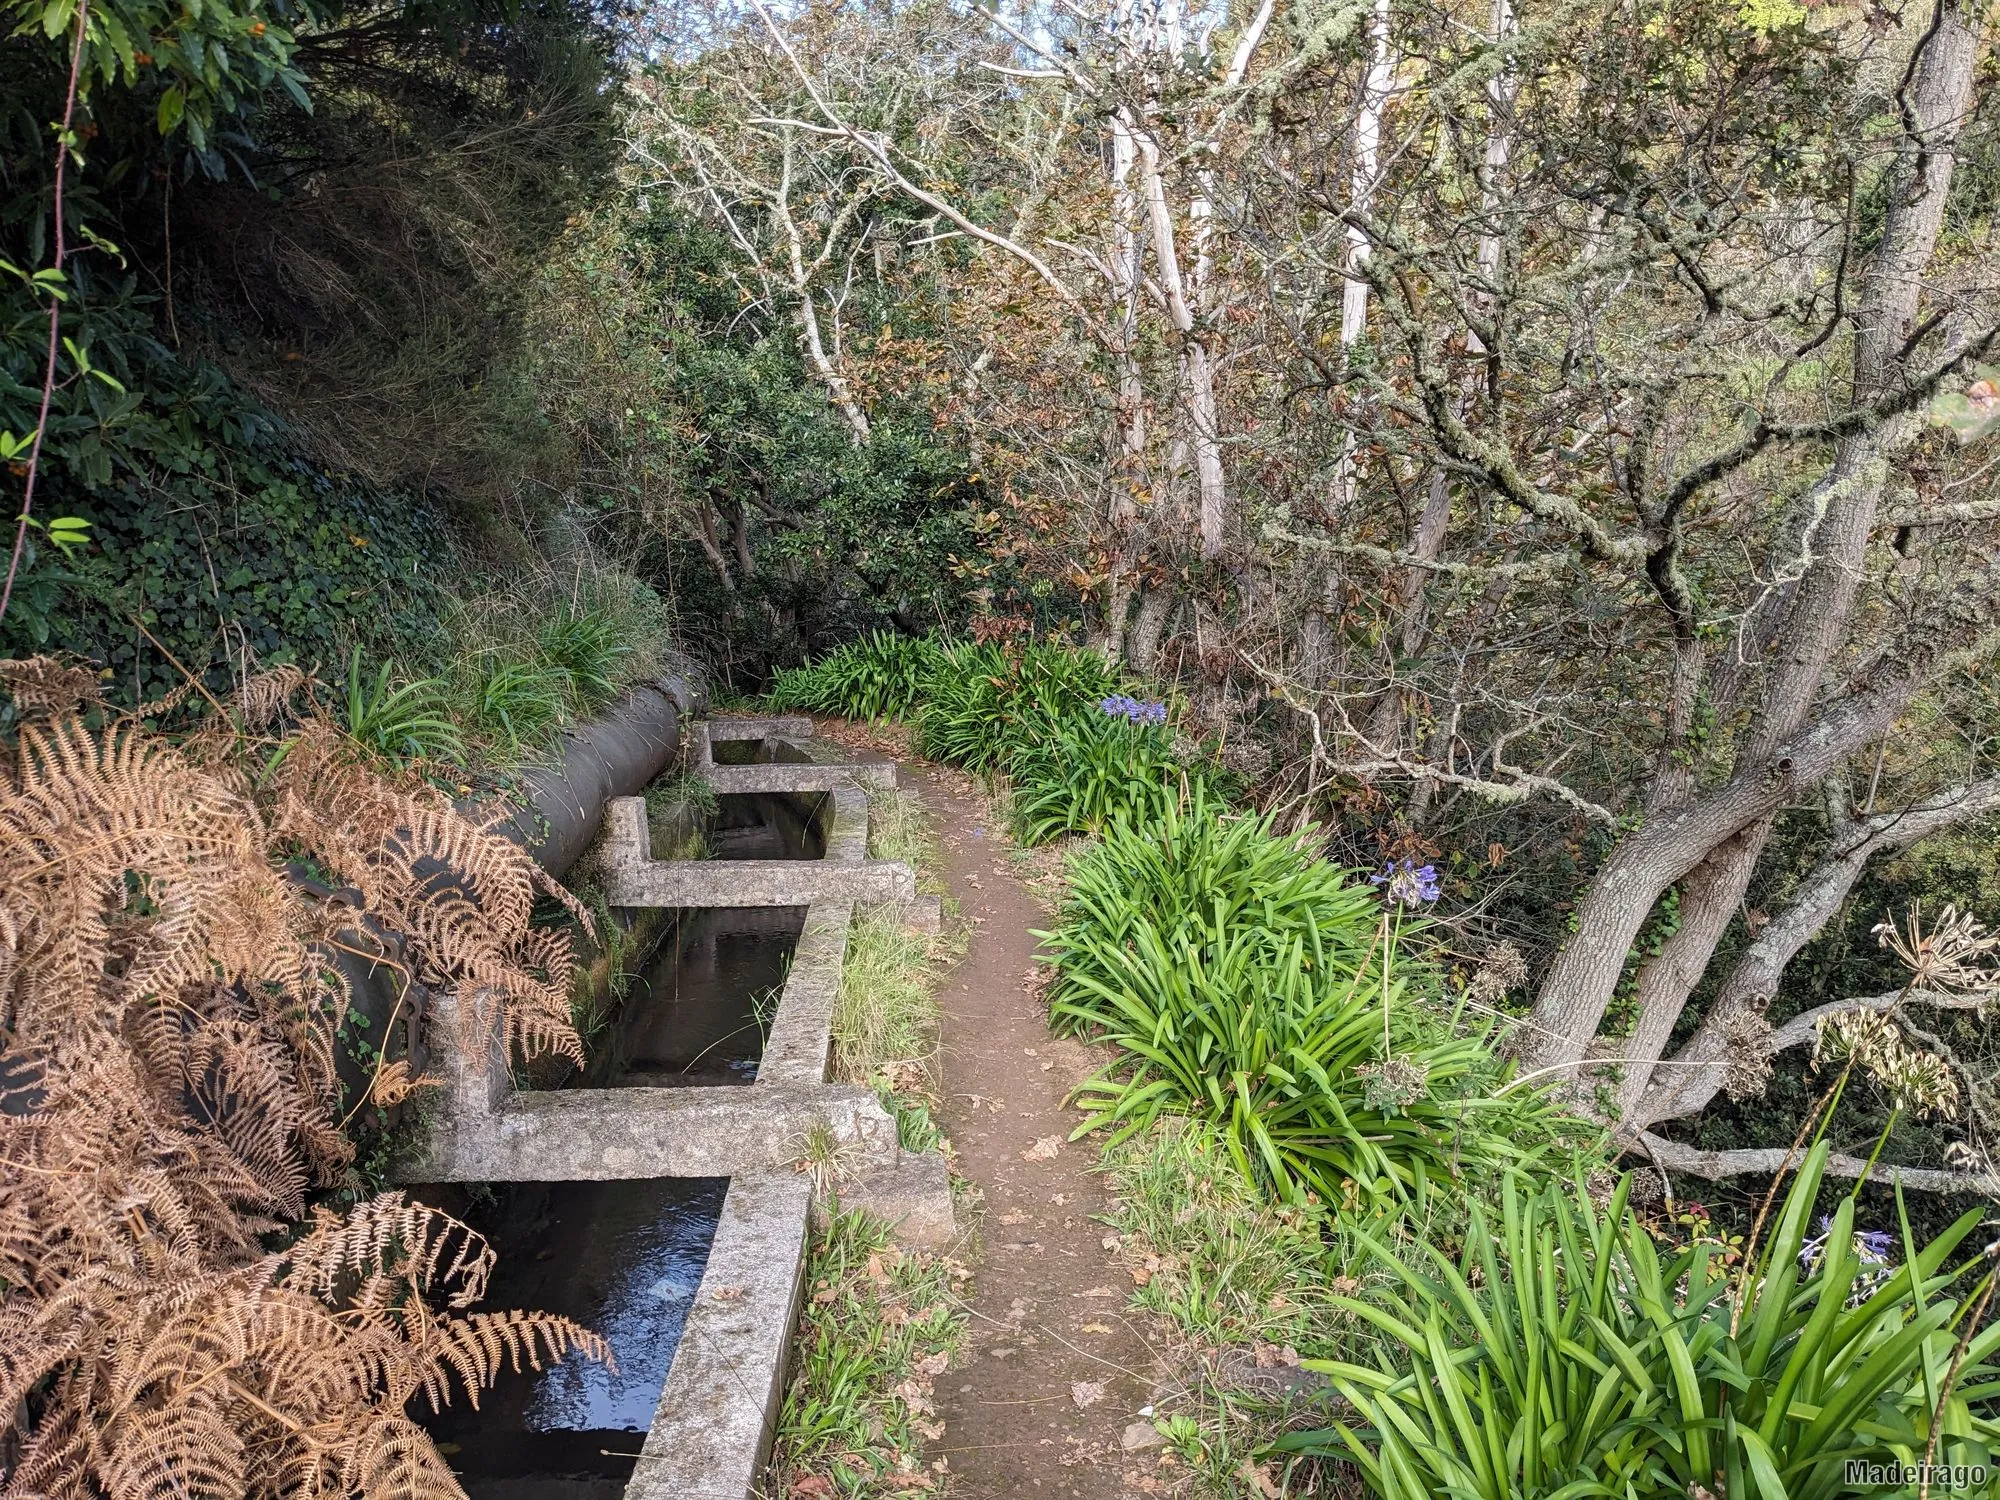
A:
(1566, 1352)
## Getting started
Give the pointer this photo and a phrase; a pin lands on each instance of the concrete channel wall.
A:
(712, 1430)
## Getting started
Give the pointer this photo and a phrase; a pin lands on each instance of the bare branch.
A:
(1762, 1161)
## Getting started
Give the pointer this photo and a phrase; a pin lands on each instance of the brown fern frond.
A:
(393, 1083)
(262, 697)
(43, 686)
(168, 1092)
(394, 1459)
(477, 1348)
(191, 1450)
(421, 1246)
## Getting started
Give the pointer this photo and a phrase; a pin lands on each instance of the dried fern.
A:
(168, 1005)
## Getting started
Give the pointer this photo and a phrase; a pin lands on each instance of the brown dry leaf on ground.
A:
(1044, 1149)
(1258, 1477)
(1086, 1392)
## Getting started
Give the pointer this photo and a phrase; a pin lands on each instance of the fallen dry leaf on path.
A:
(1086, 1393)
(1044, 1149)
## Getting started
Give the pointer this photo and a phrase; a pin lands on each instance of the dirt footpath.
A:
(1055, 1371)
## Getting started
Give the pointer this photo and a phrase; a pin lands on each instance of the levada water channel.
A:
(625, 1257)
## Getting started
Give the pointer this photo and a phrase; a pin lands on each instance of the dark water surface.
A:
(700, 1009)
(765, 825)
(622, 1258)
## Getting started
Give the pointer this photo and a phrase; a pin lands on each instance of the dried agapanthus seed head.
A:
(1747, 1067)
(1955, 953)
(1503, 969)
(1393, 1085)
(1920, 1082)
(1648, 1188)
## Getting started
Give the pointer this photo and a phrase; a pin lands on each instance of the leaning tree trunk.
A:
(1837, 517)
(1733, 1036)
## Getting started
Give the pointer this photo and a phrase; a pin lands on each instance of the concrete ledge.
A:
(601, 1135)
(913, 1195)
(632, 877)
(766, 727)
(847, 825)
(802, 1030)
(712, 1430)
(715, 731)
(778, 777)
(760, 882)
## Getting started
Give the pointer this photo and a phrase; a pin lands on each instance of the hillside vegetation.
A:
(1466, 522)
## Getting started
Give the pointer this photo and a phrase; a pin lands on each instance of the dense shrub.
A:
(216, 543)
(1563, 1354)
(1245, 981)
(880, 676)
(1076, 752)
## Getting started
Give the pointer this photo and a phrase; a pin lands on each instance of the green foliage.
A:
(1094, 769)
(886, 1013)
(1565, 1353)
(404, 721)
(1234, 1268)
(992, 705)
(586, 648)
(517, 706)
(1031, 712)
(963, 719)
(879, 676)
(874, 1322)
(701, 420)
(522, 662)
(195, 66)
(211, 536)
(1245, 982)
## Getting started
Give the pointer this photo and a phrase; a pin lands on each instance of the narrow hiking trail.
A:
(1055, 1369)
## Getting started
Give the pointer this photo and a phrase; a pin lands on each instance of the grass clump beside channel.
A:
(1247, 982)
(877, 1327)
(885, 1021)
(678, 809)
(510, 670)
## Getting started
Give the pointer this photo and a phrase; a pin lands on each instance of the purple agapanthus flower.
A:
(1409, 883)
(1123, 706)
(1874, 1244)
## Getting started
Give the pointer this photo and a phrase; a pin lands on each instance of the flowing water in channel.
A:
(623, 1258)
(700, 1010)
(626, 1258)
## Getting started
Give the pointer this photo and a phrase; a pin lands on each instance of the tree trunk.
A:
(1367, 171)
(1197, 370)
(1385, 721)
(1834, 523)
(1697, 1072)
(836, 383)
